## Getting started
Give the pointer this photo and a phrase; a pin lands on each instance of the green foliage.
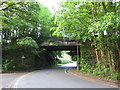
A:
(77, 20)
(96, 26)
(115, 76)
(62, 61)
(74, 58)
(6, 65)
(27, 41)
(25, 25)
(85, 66)
(98, 69)
(54, 56)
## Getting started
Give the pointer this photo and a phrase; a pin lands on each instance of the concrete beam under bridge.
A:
(60, 48)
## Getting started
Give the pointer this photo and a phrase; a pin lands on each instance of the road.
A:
(8, 79)
(54, 78)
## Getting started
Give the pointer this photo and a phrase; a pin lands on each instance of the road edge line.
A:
(85, 78)
(14, 84)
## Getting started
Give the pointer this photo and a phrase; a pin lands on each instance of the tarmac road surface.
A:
(54, 78)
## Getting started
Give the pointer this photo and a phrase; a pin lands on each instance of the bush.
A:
(62, 61)
(98, 69)
(6, 65)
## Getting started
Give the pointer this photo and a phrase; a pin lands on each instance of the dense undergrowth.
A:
(99, 70)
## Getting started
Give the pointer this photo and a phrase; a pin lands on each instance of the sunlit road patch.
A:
(69, 65)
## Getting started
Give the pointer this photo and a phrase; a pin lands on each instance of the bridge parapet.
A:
(59, 43)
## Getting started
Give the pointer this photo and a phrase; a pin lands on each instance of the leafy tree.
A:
(96, 26)
(24, 26)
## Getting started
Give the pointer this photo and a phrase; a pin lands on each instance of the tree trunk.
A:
(102, 58)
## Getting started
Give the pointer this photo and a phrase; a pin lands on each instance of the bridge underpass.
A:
(63, 46)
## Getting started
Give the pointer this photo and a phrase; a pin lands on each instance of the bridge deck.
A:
(59, 44)
(60, 48)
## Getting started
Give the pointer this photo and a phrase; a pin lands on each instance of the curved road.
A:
(54, 78)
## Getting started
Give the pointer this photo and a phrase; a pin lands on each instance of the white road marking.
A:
(19, 79)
